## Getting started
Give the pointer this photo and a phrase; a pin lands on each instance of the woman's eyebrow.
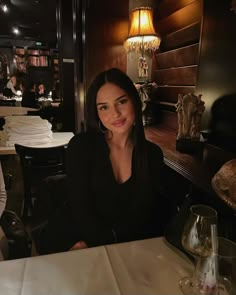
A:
(99, 103)
(123, 95)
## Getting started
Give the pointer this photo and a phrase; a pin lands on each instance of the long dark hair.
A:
(121, 80)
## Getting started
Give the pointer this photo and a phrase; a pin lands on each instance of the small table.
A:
(141, 267)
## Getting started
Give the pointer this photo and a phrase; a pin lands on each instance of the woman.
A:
(114, 174)
(41, 91)
(10, 89)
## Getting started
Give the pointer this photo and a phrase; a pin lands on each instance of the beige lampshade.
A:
(142, 35)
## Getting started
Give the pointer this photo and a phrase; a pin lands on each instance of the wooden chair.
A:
(37, 164)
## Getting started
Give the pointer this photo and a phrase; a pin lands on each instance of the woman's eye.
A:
(123, 101)
(102, 108)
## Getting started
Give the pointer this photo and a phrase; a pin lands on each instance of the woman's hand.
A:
(79, 245)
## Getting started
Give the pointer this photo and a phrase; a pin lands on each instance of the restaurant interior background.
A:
(74, 40)
(80, 38)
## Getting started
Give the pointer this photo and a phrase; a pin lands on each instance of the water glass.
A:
(216, 274)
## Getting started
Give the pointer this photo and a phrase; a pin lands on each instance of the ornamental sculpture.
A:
(189, 108)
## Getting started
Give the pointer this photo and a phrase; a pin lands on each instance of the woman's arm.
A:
(10, 86)
(3, 194)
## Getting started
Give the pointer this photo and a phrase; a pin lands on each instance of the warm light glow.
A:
(142, 35)
(16, 31)
(5, 8)
(141, 23)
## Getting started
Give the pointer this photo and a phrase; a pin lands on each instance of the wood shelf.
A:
(37, 60)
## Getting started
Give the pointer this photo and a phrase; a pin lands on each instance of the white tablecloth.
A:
(140, 267)
(10, 111)
(58, 138)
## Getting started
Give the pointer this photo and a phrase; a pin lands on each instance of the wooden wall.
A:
(175, 65)
(216, 76)
(106, 31)
(102, 33)
(197, 54)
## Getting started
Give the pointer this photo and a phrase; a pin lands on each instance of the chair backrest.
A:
(41, 162)
(37, 164)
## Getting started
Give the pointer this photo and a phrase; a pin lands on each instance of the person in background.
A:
(29, 96)
(41, 91)
(10, 88)
(114, 175)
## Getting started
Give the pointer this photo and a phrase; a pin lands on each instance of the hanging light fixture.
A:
(142, 37)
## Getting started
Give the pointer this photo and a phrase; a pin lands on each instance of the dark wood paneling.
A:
(216, 77)
(170, 93)
(169, 120)
(176, 76)
(184, 56)
(182, 18)
(183, 37)
(168, 106)
(66, 50)
(175, 65)
(167, 7)
(107, 8)
(105, 47)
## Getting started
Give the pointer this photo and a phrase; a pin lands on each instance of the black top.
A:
(104, 210)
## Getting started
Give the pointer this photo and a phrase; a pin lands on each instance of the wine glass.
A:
(197, 241)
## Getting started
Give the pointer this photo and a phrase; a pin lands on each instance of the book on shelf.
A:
(38, 61)
(20, 51)
(44, 52)
(43, 61)
(33, 51)
(34, 61)
(56, 61)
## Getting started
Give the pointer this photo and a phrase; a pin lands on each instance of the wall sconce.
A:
(142, 37)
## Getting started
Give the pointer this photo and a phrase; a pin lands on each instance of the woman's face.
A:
(41, 88)
(115, 109)
(13, 80)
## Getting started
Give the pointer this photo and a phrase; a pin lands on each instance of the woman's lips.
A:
(119, 123)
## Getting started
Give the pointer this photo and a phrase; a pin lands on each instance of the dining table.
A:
(144, 267)
(58, 138)
(15, 111)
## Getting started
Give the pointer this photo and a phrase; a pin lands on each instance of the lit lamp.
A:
(142, 37)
